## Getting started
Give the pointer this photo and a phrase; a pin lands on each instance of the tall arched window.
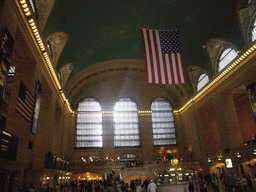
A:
(49, 47)
(33, 5)
(88, 124)
(126, 124)
(252, 30)
(227, 55)
(202, 81)
(163, 127)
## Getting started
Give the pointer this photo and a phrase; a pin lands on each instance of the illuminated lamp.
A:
(238, 155)
(174, 161)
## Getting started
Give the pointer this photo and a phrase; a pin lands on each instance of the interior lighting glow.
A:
(28, 13)
(24, 5)
(33, 24)
(22, 1)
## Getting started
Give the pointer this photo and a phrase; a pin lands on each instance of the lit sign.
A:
(228, 163)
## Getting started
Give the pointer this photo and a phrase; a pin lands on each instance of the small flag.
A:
(25, 103)
(163, 58)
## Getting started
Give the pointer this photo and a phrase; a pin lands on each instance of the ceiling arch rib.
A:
(64, 73)
(58, 41)
(44, 9)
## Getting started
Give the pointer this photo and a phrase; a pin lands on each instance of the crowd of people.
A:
(230, 183)
(113, 185)
(224, 183)
(107, 186)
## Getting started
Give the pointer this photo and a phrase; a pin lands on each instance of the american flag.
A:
(163, 58)
(25, 103)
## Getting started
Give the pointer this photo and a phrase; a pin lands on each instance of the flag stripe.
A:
(163, 60)
(177, 67)
(148, 69)
(159, 69)
(23, 113)
(160, 59)
(153, 60)
(165, 69)
(25, 103)
(182, 69)
(150, 58)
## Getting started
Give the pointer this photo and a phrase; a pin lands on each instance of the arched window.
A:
(163, 127)
(33, 5)
(126, 124)
(49, 47)
(88, 124)
(59, 76)
(252, 30)
(227, 55)
(202, 81)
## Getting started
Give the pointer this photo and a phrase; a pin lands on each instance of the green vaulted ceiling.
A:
(102, 30)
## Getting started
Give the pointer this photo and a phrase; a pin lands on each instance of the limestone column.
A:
(108, 135)
(228, 124)
(68, 136)
(235, 134)
(146, 137)
(181, 137)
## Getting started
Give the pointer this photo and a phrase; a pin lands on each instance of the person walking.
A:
(152, 186)
(215, 182)
(191, 186)
(232, 182)
(202, 185)
(249, 182)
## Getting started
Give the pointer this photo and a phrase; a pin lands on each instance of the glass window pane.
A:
(32, 4)
(126, 128)
(228, 54)
(202, 81)
(163, 128)
(252, 30)
(89, 124)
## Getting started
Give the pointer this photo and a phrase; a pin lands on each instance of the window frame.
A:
(251, 29)
(89, 147)
(197, 82)
(221, 59)
(49, 48)
(33, 5)
(139, 130)
(174, 123)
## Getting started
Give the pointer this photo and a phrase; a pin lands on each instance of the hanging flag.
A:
(163, 59)
(25, 103)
